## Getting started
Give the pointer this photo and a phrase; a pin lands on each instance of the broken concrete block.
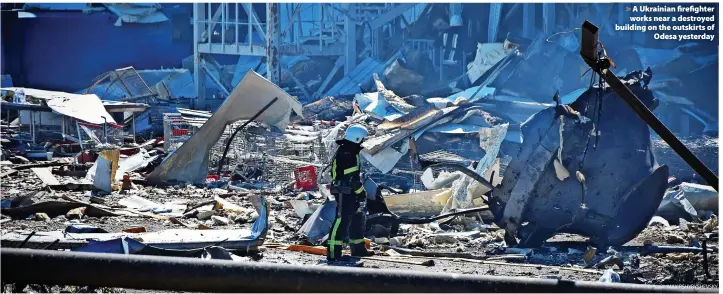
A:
(205, 214)
(76, 213)
(220, 221)
(41, 216)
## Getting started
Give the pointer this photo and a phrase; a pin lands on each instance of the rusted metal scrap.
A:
(619, 184)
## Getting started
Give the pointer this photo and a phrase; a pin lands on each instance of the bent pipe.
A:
(29, 266)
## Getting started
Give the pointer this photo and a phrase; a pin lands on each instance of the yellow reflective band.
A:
(333, 171)
(332, 238)
(351, 170)
(356, 241)
(361, 189)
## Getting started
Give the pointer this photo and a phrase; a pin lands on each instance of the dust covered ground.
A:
(560, 258)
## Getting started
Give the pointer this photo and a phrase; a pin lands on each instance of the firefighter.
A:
(350, 196)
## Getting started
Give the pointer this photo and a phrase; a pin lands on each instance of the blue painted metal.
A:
(548, 18)
(6, 81)
(494, 21)
(349, 84)
(528, 20)
(66, 50)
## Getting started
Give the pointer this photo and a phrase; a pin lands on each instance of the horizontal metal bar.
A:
(28, 266)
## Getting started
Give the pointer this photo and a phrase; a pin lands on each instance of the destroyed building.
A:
(499, 145)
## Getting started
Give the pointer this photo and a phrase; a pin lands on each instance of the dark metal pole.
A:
(228, 143)
(27, 266)
(644, 113)
(704, 243)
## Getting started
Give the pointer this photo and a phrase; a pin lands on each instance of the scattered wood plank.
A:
(46, 175)
(318, 250)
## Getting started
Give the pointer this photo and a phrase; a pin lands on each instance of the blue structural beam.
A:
(528, 20)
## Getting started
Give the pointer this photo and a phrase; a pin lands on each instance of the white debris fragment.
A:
(205, 214)
(220, 221)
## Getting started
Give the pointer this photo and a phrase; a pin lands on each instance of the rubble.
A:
(689, 201)
(479, 180)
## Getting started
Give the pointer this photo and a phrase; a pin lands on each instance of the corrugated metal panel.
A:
(349, 84)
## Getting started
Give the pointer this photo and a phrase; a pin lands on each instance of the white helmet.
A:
(356, 134)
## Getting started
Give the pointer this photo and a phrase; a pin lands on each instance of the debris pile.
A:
(478, 180)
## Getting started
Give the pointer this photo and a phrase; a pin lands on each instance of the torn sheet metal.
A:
(190, 161)
(386, 159)
(136, 13)
(688, 201)
(361, 74)
(125, 165)
(623, 187)
(317, 227)
(377, 105)
(517, 111)
(453, 128)
(423, 203)
(488, 55)
(444, 180)
(87, 108)
(390, 96)
(469, 95)
(166, 239)
(412, 124)
(463, 189)
(103, 171)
